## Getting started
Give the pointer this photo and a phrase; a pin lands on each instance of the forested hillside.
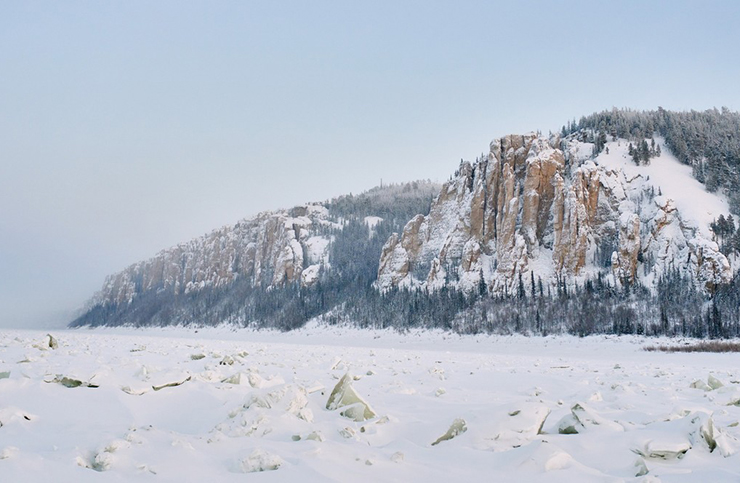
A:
(600, 228)
(708, 141)
(340, 243)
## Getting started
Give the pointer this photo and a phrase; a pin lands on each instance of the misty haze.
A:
(382, 242)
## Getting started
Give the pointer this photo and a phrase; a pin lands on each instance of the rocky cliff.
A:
(240, 266)
(272, 248)
(545, 208)
(608, 234)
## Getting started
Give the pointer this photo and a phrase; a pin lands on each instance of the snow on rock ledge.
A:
(275, 246)
(541, 206)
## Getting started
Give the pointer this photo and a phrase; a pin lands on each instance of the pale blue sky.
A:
(127, 127)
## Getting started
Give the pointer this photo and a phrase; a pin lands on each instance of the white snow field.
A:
(697, 207)
(212, 405)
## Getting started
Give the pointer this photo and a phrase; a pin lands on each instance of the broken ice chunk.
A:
(711, 435)
(53, 344)
(699, 384)
(71, 382)
(372, 427)
(457, 427)
(315, 387)
(581, 416)
(524, 422)
(172, 384)
(315, 436)
(102, 461)
(233, 379)
(337, 364)
(347, 432)
(569, 425)
(261, 460)
(641, 468)
(256, 400)
(50, 343)
(255, 380)
(665, 449)
(356, 412)
(713, 382)
(344, 395)
(136, 390)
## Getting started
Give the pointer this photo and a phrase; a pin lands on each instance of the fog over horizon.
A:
(126, 128)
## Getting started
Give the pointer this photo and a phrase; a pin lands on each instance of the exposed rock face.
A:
(272, 248)
(533, 208)
(712, 267)
(624, 261)
(542, 207)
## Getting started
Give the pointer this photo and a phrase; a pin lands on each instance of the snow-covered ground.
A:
(180, 405)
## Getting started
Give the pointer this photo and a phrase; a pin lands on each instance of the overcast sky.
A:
(127, 127)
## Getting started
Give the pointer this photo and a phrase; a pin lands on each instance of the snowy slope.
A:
(698, 207)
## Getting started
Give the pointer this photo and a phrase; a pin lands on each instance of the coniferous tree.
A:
(644, 153)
